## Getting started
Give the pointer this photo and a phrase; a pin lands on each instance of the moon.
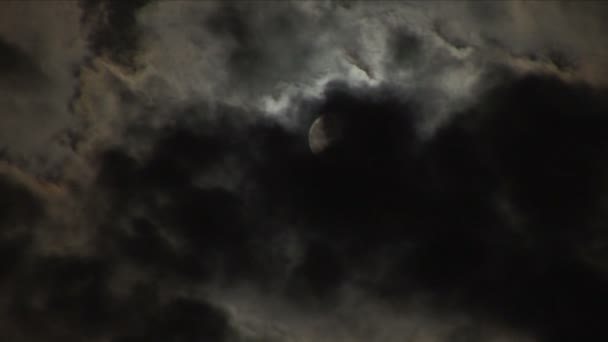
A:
(318, 137)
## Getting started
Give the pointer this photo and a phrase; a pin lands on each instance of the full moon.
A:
(318, 138)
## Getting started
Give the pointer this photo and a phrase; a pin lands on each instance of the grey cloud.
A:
(158, 183)
(42, 56)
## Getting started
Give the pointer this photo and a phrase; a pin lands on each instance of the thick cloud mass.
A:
(157, 182)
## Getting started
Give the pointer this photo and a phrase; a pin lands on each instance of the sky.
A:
(299, 171)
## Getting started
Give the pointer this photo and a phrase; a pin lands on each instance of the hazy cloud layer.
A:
(157, 182)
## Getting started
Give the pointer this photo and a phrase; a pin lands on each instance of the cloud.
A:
(40, 58)
(158, 182)
(482, 224)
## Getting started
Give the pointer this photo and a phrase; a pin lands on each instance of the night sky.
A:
(303, 171)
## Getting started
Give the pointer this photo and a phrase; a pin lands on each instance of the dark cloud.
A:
(461, 196)
(490, 216)
(114, 32)
(18, 67)
(69, 299)
(19, 204)
(537, 142)
(185, 320)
